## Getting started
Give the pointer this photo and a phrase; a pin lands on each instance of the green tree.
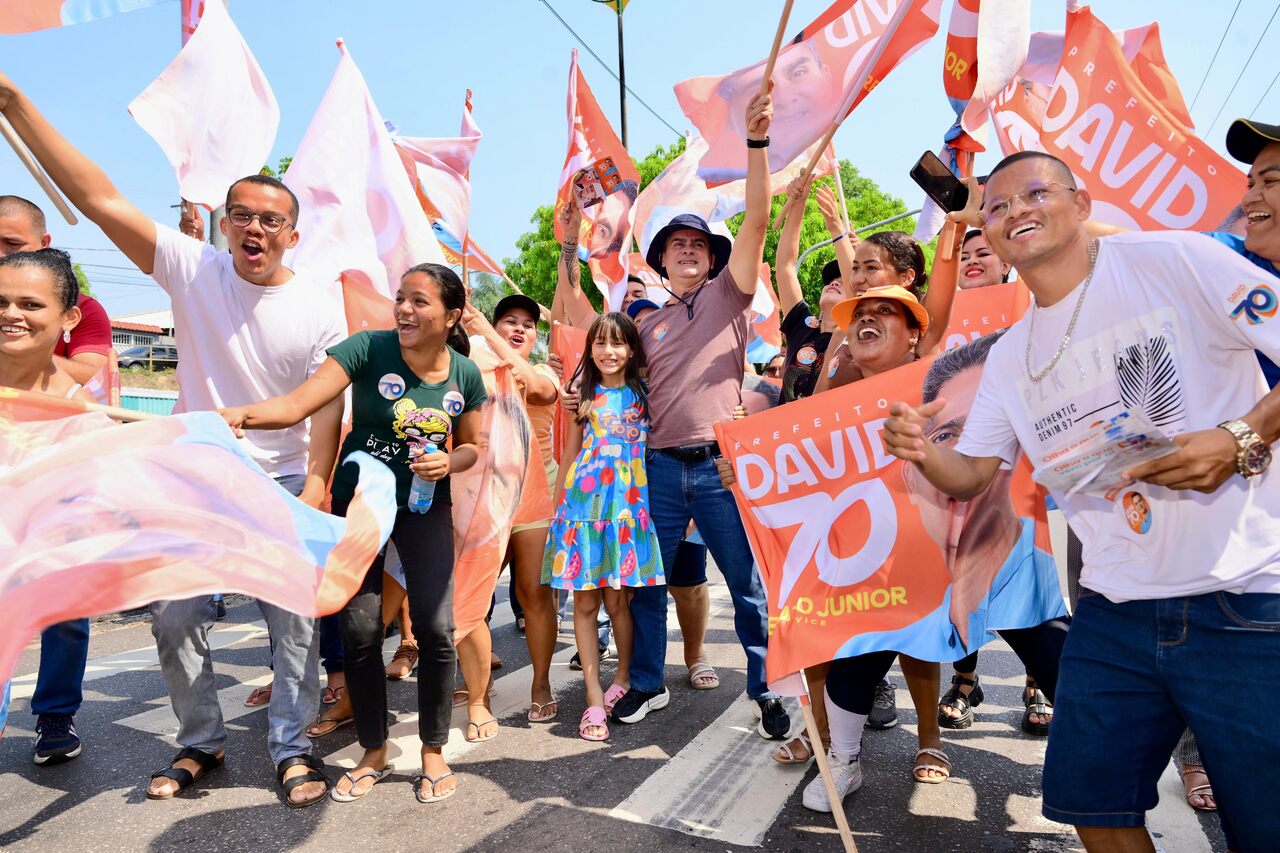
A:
(282, 166)
(82, 280)
(534, 267)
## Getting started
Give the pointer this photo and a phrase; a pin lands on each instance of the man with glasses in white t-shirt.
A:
(1178, 621)
(248, 328)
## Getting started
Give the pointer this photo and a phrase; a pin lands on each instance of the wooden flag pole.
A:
(777, 45)
(846, 108)
(808, 170)
(120, 414)
(29, 160)
(844, 202)
(824, 770)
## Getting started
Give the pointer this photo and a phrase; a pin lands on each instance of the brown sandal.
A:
(327, 722)
(402, 662)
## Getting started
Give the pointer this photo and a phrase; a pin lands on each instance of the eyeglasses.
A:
(1031, 198)
(271, 222)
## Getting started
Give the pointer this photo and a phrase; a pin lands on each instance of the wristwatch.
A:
(1253, 455)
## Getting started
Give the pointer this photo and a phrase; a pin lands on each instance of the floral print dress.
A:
(602, 534)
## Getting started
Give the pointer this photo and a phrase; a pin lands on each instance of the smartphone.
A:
(592, 184)
(932, 175)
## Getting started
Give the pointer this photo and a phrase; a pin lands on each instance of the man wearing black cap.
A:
(695, 348)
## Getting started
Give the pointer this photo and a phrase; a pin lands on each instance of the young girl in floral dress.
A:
(602, 540)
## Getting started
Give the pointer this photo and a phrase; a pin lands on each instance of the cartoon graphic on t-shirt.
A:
(419, 425)
(1148, 379)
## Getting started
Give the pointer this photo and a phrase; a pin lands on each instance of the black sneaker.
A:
(575, 662)
(636, 704)
(775, 723)
(884, 708)
(56, 739)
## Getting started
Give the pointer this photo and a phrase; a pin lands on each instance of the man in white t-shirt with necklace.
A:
(1179, 616)
(248, 328)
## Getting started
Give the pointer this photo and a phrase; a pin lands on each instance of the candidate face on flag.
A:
(986, 524)
(611, 229)
(806, 98)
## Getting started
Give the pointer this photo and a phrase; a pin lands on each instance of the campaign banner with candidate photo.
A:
(858, 552)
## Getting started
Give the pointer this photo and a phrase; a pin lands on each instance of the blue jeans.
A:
(1133, 676)
(679, 491)
(181, 629)
(64, 650)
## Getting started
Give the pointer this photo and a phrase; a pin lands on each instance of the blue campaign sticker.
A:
(391, 386)
(453, 403)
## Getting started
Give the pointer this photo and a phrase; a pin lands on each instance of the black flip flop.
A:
(315, 773)
(181, 775)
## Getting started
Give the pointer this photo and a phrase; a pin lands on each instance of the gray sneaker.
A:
(884, 709)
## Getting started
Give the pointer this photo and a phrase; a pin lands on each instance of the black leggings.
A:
(425, 544)
(852, 682)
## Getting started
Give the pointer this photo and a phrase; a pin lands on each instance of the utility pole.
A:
(622, 79)
(617, 6)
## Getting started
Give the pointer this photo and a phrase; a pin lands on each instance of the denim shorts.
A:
(1134, 675)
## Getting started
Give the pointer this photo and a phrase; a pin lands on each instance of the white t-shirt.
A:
(1168, 329)
(240, 343)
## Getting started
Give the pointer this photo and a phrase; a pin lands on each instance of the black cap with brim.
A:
(1246, 139)
(516, 300)
(721, 246)
(830, 272)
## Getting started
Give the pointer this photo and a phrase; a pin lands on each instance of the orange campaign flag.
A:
(981, 311)
(605, 241)
(507, 486)
(859, 553)
(570, 344)
(816, 80)
(1130, 146)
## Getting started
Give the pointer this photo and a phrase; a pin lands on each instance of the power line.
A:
(1264, 95)
(597, 58)
(1242, 70)
(1215, 55)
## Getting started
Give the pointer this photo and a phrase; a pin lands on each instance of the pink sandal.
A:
(593, 717)
(611, 697)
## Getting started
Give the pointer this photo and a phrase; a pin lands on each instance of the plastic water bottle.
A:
(421, 492)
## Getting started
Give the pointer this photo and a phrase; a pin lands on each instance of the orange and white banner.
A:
(858, 552)
(1130, 147)
(569, 344)
(605, 241)
(819, 77)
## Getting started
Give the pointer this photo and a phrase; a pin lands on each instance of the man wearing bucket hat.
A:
(695, 347)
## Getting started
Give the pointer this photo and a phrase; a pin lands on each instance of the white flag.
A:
(360, 214)
(211, 111)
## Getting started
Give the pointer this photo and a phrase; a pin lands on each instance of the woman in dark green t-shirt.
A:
(410, 386)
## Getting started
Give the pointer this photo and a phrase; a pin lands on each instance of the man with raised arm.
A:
(248, 329)
(694, 347)
(1178, 621)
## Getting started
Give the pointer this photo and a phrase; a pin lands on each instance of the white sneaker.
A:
(848, 775)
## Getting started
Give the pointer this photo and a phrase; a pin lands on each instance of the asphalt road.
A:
(692, 777)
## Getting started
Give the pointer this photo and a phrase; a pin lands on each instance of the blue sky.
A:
(420, 57)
